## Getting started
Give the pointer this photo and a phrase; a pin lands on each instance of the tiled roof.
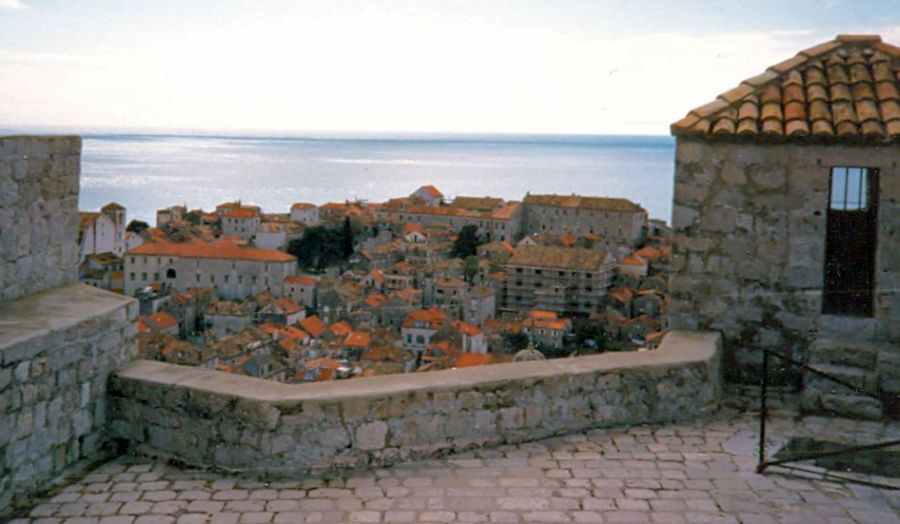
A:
(303, 205)
(847, 89)
(270, 227)
(313, 325)
(358, 339)
(340, 329)
(620, 205)
(301, 280)
(431, 190)
(633, 260)
(288, 306)
(161, 320)
(477, 203)
(240, 212)
(558, 257)
(223, 250)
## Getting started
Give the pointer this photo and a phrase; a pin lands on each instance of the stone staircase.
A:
(867, 366)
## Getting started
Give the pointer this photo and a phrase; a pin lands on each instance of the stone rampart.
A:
(57, 350)
(210, 418)
(38, 213)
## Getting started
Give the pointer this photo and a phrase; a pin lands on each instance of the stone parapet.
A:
(57, 350)
(210, 418)
(38, 213)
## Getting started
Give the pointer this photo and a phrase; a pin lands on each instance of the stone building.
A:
(559, 279)
(786, 216)
(616, 220)
(305, 213)
(232, 270)
(103, 231)
(240, 221)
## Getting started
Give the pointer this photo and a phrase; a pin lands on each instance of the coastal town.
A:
(353, 289)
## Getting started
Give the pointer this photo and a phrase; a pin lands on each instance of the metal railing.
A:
(848, 450)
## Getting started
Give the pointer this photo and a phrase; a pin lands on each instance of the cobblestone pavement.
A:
(699, 472)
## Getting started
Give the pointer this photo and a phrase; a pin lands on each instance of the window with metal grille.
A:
(849, 188)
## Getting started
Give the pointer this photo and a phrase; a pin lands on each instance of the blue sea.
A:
(146, 173)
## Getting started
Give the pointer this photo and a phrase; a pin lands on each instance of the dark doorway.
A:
(850, 242)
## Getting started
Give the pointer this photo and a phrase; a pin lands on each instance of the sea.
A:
(149, 172)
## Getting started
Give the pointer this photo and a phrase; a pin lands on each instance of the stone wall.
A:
(57, 350)
(749, 247)
(38, 213)
(210, 418)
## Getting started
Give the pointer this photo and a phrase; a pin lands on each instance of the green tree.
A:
(470, 268)
(137, 226)
(193, 217)
(467, 242)
(515, 341)
(318, 248)
(347, 238)
(589, 335)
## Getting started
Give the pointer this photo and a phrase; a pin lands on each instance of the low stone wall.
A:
(211, 418)
(57, 350)
(38, 213)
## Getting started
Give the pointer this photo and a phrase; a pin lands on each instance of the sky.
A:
(307, 66)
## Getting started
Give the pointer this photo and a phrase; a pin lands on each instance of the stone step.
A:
(847, 328)
(861, 379)
(840, 352)
(852, 406)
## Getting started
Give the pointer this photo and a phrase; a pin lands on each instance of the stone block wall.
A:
(206, 417)
(38, 213)
(57, 350)
(749, 222)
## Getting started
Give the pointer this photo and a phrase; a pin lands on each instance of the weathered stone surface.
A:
(58, 410)
(852, 406)
(760, 223)
(28, 186)
(380, 420)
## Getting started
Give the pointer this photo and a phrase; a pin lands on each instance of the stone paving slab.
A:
(700, 472)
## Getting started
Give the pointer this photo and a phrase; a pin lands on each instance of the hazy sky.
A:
(547, 66)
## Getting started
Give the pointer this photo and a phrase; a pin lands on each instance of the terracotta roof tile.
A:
(819, 110)
(821, 49)
(831, 89)
(866, 110)
(793, 93)
(822, 128)
(749, 109)
(772, 127)
(892, 128)
(863, 91)
(840, 92)
(890, 110)
(224, 249)
(796, 128)
(794, 111)
(747, 127)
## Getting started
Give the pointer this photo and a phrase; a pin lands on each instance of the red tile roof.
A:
(225, 249)
(313, 325)
(633, 260)
(288, 306)
(240, 212)
(847, 88)
(339, 329)
(431, 190)
(358, 339)
(300, 280)
(302, 205)
(465, 360)
(161, 320)
(619, 205)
